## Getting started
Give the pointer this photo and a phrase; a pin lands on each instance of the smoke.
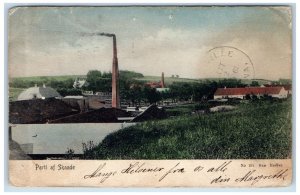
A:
(85, 34)
(98, 34)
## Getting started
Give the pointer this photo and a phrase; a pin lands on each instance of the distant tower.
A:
(115, 101)
(162, 80)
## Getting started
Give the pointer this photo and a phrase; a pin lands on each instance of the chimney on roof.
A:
(44, 86)
(35, 85)
(225, 87)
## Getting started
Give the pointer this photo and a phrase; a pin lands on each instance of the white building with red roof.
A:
(241, 93)
(287, 87)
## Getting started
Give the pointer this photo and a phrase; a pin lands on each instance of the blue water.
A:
(57, 138)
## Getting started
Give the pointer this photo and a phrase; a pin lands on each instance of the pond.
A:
(57, 138)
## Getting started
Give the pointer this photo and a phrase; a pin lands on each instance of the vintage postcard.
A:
(150, 96)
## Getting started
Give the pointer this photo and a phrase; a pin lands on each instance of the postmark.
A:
(231, 62)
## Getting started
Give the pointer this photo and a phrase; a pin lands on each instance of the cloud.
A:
(46, 43)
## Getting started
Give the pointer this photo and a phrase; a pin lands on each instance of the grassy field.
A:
(168, 80)
(43, 78)
(255, 130)
(14, 93)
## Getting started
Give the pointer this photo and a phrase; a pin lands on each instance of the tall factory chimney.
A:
(162, 80)
(115, 99)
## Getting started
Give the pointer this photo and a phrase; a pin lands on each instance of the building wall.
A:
(282, 94)
(228, 96)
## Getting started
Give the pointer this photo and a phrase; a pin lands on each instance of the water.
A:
(57, 138)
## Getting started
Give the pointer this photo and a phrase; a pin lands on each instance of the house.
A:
(160, 85)
(161, 90)
(287, 87)
(79, 83)
(39, 93)
(241, 93)
(153, 84)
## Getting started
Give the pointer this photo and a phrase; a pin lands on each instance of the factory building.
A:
(160, 86)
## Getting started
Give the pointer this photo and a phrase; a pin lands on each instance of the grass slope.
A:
(257, 130)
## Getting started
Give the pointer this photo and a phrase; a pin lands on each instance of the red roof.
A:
(286, 87)
(248, 90)
(154, 84)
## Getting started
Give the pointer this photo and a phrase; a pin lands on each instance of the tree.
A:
(93, 74)
(230, 83)
(248, 97)
(98, 81)
(130, 74)
(133, 93)
(151, 95)
(254, 84)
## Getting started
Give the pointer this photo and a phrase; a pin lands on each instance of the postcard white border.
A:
(4, 96)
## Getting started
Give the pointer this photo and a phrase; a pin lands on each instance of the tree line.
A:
(134, 91)
(178, 91)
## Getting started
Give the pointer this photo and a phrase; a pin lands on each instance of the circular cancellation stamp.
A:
(231, 62)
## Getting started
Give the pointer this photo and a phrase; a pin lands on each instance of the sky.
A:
(48, 41)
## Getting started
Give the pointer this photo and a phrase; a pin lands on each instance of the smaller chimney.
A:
(35, 85)
(44, 86)
(162, 80)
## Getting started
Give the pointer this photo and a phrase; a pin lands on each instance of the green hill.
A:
(45, 78)
(258, 130)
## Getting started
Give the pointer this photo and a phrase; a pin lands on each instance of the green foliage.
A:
(257, 130)
(151, 95)
(199, 91)
(88, 149)
(168, 80)
(14, 93)
(101, 81)
(69, 153)
(69, 91)
(93, 74)
(284, 81)
(254, 84)
(132, 91)
(98, 81)
(125, 74)
(181, 110)
(51, 81)
(132, 86)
